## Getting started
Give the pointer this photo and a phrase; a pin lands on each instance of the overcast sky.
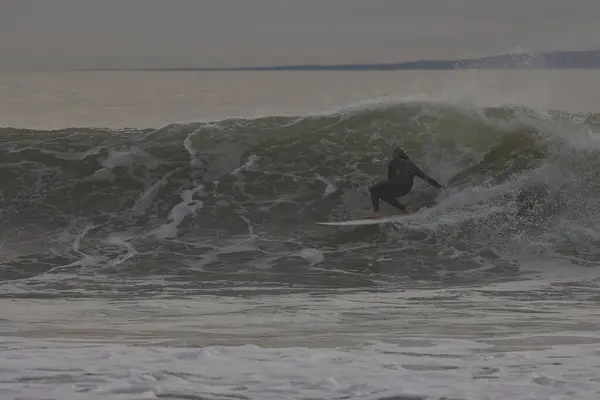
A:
(225, 33)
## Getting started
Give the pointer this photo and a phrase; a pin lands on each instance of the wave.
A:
(235, 195)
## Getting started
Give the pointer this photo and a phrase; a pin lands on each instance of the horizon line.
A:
(521, 60)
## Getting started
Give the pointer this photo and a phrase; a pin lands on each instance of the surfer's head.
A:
(399, 153)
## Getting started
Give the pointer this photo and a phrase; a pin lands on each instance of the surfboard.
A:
(366, 221)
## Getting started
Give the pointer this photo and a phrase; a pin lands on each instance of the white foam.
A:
(103, 174)
(187, 207)
(330, 186)
(419, 368)
(121, 240)
(314, 256)
(128, 158)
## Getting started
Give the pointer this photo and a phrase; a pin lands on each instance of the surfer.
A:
(401, 173)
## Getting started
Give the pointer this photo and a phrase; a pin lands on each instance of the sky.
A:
(51, 34)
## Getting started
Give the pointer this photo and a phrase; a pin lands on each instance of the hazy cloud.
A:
(213, 33)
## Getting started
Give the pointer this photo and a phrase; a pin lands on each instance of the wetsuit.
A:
(401, 174)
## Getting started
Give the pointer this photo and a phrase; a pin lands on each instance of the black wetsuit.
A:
(401, 174)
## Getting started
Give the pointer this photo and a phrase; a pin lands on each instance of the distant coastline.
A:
(577, 59)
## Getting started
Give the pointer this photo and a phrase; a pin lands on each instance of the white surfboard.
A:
(366, 221)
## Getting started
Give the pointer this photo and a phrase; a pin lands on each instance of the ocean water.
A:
(158, 236)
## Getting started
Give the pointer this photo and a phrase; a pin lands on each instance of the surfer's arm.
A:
(390, 173)
(427, 178)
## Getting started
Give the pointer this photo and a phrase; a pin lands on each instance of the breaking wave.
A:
(238, 199)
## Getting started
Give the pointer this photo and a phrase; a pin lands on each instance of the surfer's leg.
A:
(387, 191)
(393, 202)
(375, 190)
(391, 191)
